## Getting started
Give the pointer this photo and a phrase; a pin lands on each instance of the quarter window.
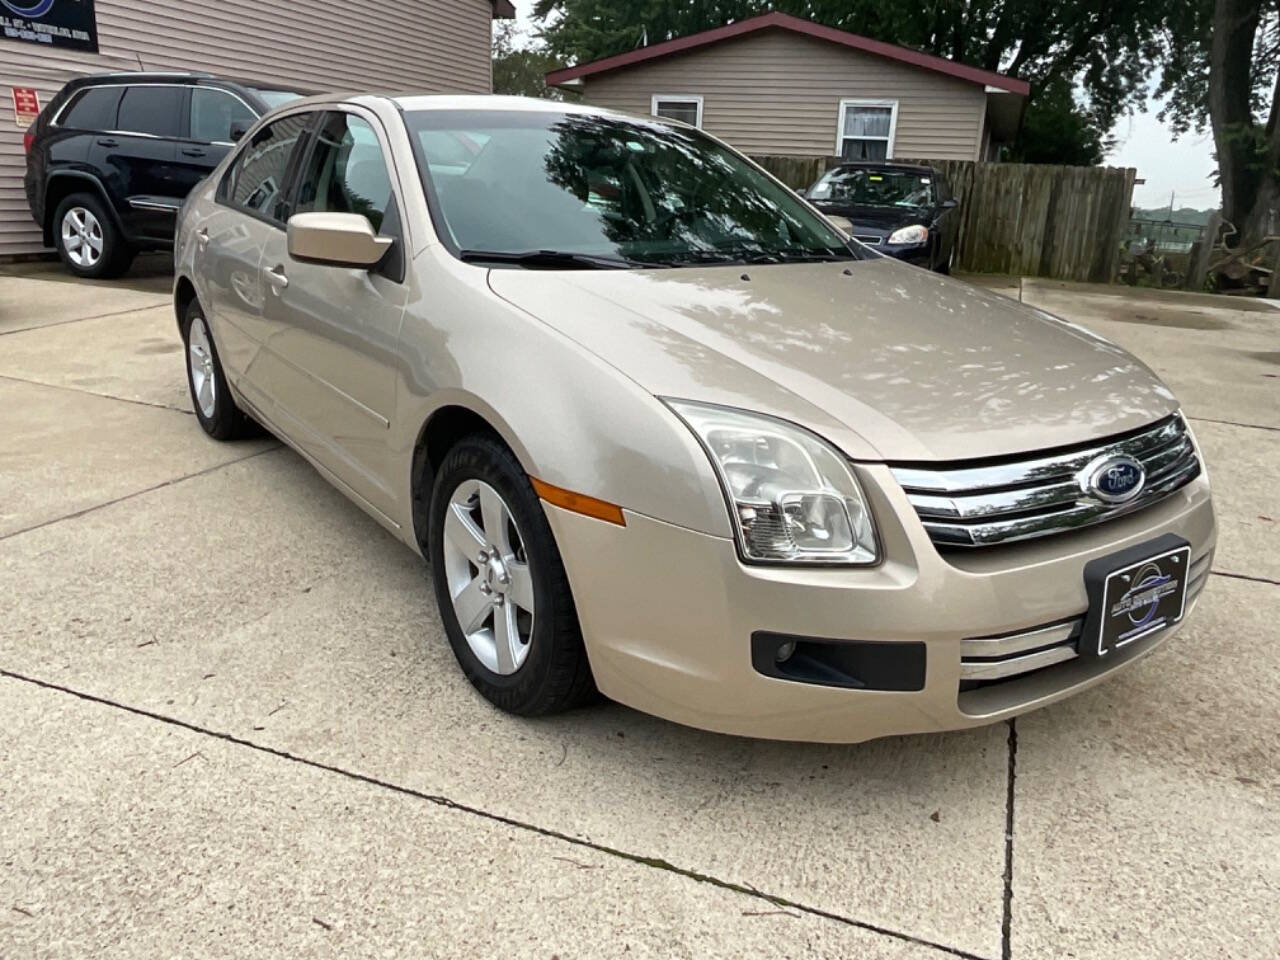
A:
(867, 129)
(683, 107)
(346, 172)
(152, 110)
(93, 109)
(215, 113)
(256, 180)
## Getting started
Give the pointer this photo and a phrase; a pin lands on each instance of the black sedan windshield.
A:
(550, 189)
(875, 188)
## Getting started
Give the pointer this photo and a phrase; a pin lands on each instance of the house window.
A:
(866, 129)
(678, 106)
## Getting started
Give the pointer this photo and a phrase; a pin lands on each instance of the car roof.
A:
(496, 102)
(180, 77)
(887, 166)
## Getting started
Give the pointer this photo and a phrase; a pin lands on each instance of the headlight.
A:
(914, 234)
(792, 496)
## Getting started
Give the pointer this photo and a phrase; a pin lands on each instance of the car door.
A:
(334, 329)
(213, 116)
(137, 157)
(250, 212)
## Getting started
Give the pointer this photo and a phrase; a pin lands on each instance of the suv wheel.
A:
(500, 584)
(87, 238)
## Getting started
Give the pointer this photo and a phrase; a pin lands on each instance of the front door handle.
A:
(193, 152)
(108, 142)
(202, 239)
(276, 277)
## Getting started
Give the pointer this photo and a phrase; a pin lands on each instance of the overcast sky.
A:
(1182, 166)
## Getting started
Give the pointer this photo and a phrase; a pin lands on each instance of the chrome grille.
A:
(991, 659)
(1007, 501)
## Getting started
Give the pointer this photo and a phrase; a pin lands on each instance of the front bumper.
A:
(668, 616)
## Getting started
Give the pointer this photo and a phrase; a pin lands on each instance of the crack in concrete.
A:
(443, 801)
(1006, 919)
(1235, 423)
(139, 493)
(1245, 576)
(95, 393)
(100, 316)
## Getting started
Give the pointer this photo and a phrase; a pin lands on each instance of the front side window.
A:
(256, 180)
(216, 113)
(876, 187)
(93, 109)
(866, 130)
(686, 109)
(152, 110)
(633, 192)
(346, 172)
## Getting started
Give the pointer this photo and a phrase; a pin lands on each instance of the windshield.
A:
(875, 188)
(620, 192)
(277, 98)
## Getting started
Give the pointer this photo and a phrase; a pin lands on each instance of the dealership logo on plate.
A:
(37, 9)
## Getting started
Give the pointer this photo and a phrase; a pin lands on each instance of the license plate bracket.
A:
(1134, 593)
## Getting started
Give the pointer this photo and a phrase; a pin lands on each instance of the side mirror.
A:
(950, 204)
(238, 130)
(336, 239)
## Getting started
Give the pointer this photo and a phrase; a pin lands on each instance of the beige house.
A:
(310, 45)
(777, 84)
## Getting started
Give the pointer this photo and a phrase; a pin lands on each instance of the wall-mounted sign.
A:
(55, 23)
(26, 106)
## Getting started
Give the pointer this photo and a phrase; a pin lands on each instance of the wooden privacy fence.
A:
(1068, 223)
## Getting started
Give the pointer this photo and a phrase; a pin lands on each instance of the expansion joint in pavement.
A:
(100, 316)
(1006, 921)
(656, 863)
(139, 493)
(1245, 576)
(94, 393)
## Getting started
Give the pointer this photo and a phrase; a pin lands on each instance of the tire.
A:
(88, 240)
(544, 669)
(944, 268)
(210, 397)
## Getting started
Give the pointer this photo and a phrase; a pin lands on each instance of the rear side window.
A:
(346, 172)
(93, 109)
(151, 110)
(214, 113)
(257, 178)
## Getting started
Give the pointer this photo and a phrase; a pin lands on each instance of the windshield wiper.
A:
(547, 259)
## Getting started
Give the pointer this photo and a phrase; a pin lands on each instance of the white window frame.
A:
(678, 98)
(856, 102)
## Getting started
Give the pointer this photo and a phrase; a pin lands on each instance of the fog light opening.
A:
(785, 652)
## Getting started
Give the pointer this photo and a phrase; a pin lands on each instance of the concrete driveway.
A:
(230, 724)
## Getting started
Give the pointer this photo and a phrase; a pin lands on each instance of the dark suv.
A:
(111, 158)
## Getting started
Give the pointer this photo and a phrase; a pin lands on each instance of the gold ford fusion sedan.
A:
(661, 431)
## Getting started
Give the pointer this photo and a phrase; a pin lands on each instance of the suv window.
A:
(256, 180)
(150, 109)
(215, 112)
(346, 172)
(93, 109)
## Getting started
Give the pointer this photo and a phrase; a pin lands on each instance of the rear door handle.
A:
(276, 277)
(202, 239)
(194, 152)
(108, 142)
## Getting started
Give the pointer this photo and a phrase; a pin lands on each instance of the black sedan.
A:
(901, 210)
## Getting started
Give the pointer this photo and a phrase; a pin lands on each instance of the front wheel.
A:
(210, 396)
(88, 241)
(501, 586)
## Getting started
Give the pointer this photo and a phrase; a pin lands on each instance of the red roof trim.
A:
(797, 25)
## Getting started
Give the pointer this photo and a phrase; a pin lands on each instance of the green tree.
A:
(1058, 129)
(520, 70)
(1220, 71)
(1105, 47)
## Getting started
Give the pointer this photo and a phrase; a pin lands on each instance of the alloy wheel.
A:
(82, 237)
(200, 360)
(488, 575)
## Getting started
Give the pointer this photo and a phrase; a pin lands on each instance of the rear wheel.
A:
(87, 239)
(501, 586)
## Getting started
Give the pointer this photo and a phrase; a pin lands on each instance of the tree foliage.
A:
(520, 71)
(1106, 47)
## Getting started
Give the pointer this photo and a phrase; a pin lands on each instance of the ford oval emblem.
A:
(1113, 479)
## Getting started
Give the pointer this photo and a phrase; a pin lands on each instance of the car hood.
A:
(883, 219)
(887, 361)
